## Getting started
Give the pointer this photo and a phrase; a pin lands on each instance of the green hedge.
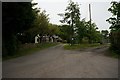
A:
(115, 40)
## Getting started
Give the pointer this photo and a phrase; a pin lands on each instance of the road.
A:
(55, 62)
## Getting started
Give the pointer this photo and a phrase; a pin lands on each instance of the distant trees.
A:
(65, 33)
(81, 30)
(105, 36)
(85, 31)
(72, 17)
(76, 30)
(92, 34)
(53, 29)
(40, 26)
(115, 26)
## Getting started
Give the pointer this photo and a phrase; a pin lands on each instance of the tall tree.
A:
(115, 25)
(72, 17)
(115, 19)
(81, 30)
(17, 17)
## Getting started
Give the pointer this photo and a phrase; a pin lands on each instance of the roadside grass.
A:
(27, 49)
(112, 53)
(80, 46)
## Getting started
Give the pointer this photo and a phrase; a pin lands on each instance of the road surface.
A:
(55, 62)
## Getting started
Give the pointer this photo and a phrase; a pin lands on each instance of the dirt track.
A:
(55, 62)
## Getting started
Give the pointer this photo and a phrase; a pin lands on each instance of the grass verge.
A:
(80, 46)
(112, 53)
(27, 49)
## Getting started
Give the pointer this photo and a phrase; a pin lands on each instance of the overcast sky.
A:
(99, 10)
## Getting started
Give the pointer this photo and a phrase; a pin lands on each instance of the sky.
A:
(99, 10)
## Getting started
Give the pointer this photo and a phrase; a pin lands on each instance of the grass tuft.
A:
(80, 46)
(27, 49)
(112, 53)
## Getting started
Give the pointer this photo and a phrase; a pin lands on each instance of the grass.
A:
(112, 53)
(109, 52)
(27, 49)
(80, 46)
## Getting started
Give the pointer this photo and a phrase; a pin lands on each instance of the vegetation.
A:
(80, 46)
(27, 49)
(115, 26)
(21, 23)
(72, 17)
(15, 21)
(112, 53)
(76, 31)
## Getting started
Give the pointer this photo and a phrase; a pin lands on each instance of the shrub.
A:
(115, 40)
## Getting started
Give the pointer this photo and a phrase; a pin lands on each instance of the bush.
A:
(10, 46)
(115, 40)
(29, 48)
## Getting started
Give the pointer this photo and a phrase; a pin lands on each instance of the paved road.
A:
(55, 62)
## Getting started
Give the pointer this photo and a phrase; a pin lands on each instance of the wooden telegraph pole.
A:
(90, 13)
(90, 23)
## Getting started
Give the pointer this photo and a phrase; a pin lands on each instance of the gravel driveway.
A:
(55, 62)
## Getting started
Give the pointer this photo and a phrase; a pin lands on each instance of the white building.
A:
(46, 38)
(36, 38)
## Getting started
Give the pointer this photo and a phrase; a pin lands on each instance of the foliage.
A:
(53, 29)
(21, 23)
(105, 33)
(92, 32)
(64, 32)
(77, 29)
(115, 26)
(80, 46)
(105, 36)
(71, 17)
(112, 53)
(27, 49)
(115, 41)
(81, 30)
(40, 26)
(17, 17)
(115, 19)
(86, 31)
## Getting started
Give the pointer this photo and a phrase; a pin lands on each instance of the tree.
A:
(39, 26)
(65, 32)
(105, 36)
(76, 30)
(17, 17)
(72, 17)
(53, 29)
(105, 33)
(81, 30)
(91, 32)
(115, 19)
(115, 26)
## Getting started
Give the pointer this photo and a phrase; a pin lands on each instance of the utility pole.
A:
(90, 22)
(90, 13)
